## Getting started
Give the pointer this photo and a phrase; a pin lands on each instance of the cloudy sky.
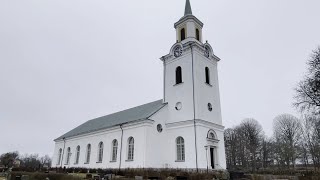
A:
(65, 62)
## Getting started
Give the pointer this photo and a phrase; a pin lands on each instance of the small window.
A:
(178, 75)
(180, 149)
(209, 106)
(59, 156)
(77, 155)
(88, 154)
(68, 155)
(159, 128)
(198, 34)
(100, 153)
(207, 73)
(183, 34)
(114, 150)
(130, 148)
(211, 135)
(178, 106)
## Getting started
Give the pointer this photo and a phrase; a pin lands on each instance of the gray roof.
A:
(142, 112)
(188, 10)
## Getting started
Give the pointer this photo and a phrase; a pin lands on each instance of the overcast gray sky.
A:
(65, 62)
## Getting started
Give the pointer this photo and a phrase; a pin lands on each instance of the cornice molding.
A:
(199, 122)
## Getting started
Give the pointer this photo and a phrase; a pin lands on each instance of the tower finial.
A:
(188, 10)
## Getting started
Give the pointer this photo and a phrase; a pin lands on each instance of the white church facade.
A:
(182, 130)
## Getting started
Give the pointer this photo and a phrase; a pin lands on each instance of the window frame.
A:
(197, 34)
(100, 152)
(215, 139)
(180, 149)
(59, 156)
(182, 34)
(130, 152)
(114, 150)
(68, 156)
(178, 75)
(207, 76)
(88, 154)
(77, 155)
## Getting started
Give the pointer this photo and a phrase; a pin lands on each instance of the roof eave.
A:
(96, 130)
(187, 17)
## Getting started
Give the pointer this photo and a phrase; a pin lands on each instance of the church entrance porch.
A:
(212, 147)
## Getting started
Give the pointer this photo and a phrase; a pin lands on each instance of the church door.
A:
(212, 157)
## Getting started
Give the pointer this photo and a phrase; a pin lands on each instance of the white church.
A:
(182, 130)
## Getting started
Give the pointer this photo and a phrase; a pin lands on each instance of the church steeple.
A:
(188, 10)
(189, 28)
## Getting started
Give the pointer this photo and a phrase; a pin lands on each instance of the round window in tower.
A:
(159, 128)
(178, 106)
(209, 106)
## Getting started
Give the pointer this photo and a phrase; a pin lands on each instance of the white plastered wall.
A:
(205, 93)
(138, 132)
(181, 92)
(161, 149)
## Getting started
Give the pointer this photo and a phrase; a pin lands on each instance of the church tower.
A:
(191, 86)
(191, 93)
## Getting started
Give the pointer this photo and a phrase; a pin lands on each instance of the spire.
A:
(188, 10)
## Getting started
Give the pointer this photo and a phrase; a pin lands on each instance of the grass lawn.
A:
(80, 175)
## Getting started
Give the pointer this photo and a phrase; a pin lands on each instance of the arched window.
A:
(100, 153)
(180, 149)
(130, 148)
(114, 150)
(59, 156)
(211, 135)
(178, 75)
(68, 155)
(88, 153)
(198, 34)
(207, 71)
(77, 155)
(183, 34)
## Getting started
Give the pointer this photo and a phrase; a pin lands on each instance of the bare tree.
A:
(307, 96)
(287, 134)
(45, 161)
(267, 152)
(253, 134)
(31, 161)
(7, 159)
(243, 145)
(311, 137)
(242, 153)
(230, 139)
